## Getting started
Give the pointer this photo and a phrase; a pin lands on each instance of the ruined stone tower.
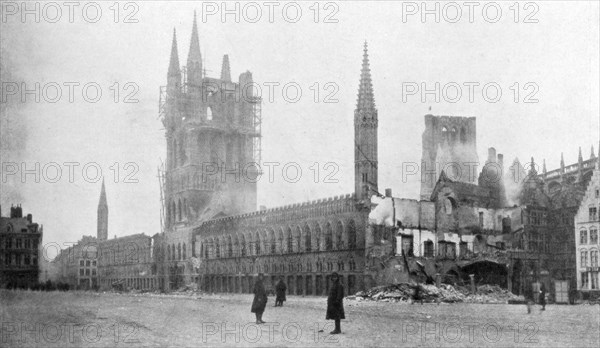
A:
(449, 145)
(213, 140)
(102, 222)
(365, 135)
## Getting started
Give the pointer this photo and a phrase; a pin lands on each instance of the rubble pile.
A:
(431, 293)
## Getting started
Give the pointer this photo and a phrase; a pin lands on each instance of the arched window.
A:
(281, 242)
(243, 245)
(272, 246)
(229, 247)
(179, 251)
(428, 249)
(444, 133)
(168, 253)
(351, 235)
(257, 245)
(209, 113)
(339, 239)
(328, 237)
(184, 252)
(290, 240)
(318, 238)
(298, 240)
(179, 210)
(307, 238)
(217, 249)
(448, 205)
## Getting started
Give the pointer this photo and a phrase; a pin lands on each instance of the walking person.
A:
(543, 296)
(335, 303)
(280, 289)
(260, 299)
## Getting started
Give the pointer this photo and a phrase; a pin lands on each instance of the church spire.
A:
(174, 61)
(194, 60)
(544, 167)
(225, 70)
(365, 136)
(592, 155)
(102, 223)
(366, 100)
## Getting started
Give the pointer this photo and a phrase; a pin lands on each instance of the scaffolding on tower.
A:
(161, 184)
(256, 103)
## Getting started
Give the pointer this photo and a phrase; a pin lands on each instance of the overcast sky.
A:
(557, 56)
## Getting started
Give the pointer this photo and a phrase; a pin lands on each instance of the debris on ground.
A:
(430, 293)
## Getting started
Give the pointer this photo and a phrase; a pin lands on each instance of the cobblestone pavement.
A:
(76, 319)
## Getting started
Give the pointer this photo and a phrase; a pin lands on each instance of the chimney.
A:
(388, 192)
(30, 218)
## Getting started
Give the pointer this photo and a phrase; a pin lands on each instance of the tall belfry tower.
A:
(102, 228)
(365, 135)
(212, 130)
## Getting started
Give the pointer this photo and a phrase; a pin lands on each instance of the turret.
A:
(225, 70)
(194, 60)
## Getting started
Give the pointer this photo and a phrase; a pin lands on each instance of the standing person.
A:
(529, 298)
(280, 289)
(543, 296)
(335, 303)
(260, 299)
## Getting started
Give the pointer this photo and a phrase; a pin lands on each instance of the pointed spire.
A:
(592, 155)
(532, 169)
(544, 167)
(174, 61)
(366, 100)
(580, 158)
(225, 70)
(562, 163)
(102, 195)
(194, 60)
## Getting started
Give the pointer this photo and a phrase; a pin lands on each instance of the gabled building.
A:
(587, 245)
(20, 249)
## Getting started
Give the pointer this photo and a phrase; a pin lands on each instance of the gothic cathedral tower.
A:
(212, 130)
(102, 227)
(365, 135)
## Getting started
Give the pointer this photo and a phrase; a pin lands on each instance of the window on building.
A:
(597, 193)
(94, 263)
(19, 243)
(428, 249)
(88, 263)
(364, 177)
(594, 283)
(594, 258)
(593, 214)
(481, 219)
(87, 271)
(81, 271)
(35, 244)
(81, 263)
(584, 257)
(583, 237)
(584, 280)
(27, 259)
(27, 244)
(93, 272)
(593, 236)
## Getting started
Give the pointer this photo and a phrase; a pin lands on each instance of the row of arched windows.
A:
(175, 253)
(332, 236)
